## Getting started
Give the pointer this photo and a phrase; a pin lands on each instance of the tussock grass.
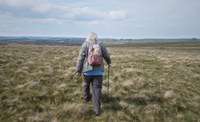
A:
(149, 83)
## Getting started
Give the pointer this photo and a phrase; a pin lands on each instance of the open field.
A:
(148, 82)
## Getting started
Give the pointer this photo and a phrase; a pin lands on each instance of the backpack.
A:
(94, 55)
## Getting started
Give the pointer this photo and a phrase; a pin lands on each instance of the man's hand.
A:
(79, 74)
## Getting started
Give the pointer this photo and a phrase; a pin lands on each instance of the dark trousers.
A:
(96, 90)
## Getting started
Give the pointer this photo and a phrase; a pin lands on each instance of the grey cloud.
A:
(39, 10)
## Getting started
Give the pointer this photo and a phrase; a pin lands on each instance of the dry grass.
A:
(38, 83)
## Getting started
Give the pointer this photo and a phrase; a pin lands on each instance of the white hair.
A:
(92, 38)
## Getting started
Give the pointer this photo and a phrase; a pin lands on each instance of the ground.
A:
(148, 82)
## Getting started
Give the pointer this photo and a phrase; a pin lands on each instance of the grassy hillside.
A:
(148, 82)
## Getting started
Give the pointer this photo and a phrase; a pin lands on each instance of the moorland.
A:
(148, 82)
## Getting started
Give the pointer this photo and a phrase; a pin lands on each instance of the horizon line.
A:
(104, 37)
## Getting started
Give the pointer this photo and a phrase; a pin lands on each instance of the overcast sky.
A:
(108, 18)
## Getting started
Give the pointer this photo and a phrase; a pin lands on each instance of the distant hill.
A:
(49, 39)
(77, 40)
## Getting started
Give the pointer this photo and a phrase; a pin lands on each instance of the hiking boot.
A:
(87, 100)
(97, 113)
